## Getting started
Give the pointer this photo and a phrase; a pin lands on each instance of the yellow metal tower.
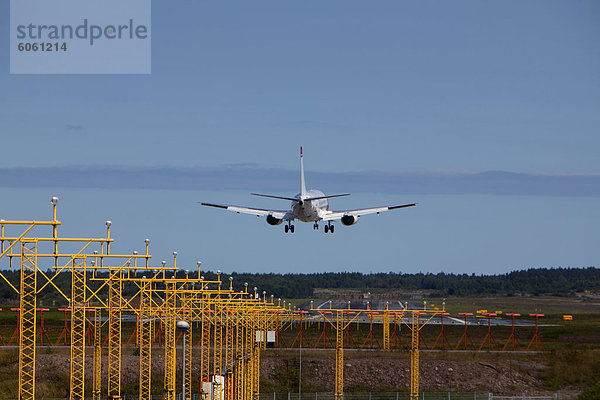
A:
(78, 320)
(339, 355)
(146, 334)
(27, 319)
(115, 285)
(97, 370)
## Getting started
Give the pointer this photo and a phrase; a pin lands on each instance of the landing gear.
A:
(316, 226)
(329, 228)
(289, 228)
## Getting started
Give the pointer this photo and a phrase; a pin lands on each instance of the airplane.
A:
(307, 206)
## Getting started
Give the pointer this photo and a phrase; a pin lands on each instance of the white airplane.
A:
(307, 206)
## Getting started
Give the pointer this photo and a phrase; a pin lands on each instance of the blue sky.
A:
(485, 113)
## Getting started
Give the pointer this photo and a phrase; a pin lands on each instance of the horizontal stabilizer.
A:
(275, 197)
(327, 197)
(402, 206)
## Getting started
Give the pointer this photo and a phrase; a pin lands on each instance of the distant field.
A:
(552, 306)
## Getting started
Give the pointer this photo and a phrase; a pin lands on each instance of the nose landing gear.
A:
(316, 226)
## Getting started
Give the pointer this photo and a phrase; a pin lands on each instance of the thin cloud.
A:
(251, 177)
(72, 127)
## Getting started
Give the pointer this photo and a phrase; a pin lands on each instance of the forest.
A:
(532, 281)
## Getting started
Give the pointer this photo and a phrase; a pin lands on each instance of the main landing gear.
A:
(289, 227)
(329, 228)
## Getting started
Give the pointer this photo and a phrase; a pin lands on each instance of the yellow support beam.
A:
(115, 286)
(146, 334)
(170, 320)
(97, 370)
(78, 319)
(205, 342)
(386, 329)
(339, 355)
(27, 319)
(414, 356)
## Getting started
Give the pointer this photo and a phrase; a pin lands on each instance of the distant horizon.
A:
(257, 177)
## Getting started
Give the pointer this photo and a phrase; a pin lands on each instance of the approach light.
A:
(182, 325)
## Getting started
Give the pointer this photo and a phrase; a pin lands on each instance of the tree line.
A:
(533, 281)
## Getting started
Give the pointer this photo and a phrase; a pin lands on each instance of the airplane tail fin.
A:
(302, 182)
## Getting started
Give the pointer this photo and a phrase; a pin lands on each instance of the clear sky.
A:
(485, 113)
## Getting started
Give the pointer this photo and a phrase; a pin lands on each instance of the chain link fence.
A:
(367, 396)
(400, 396)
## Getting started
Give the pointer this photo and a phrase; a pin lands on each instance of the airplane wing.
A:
(279, 214)
(333, 215)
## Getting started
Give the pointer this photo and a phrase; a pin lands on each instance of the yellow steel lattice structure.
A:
(115, 286)
(218, 340)
(146, 332)
(255, 360)
(414, 357)
(339, 355)
(27, 320)
(187, 305)
(97, 370)
(78, 320)
(386, 329)
(205, 340)
(169, 324)
(239, 355)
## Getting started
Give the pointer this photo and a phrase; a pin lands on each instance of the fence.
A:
(524, 397)
(370, 396)
(400, 396)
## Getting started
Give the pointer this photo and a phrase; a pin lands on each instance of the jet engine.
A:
(271, 220)
(349, 220)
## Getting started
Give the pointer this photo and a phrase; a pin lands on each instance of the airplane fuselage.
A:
(309, 211)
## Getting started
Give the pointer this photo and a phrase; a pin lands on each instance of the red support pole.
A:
(43, 331)
(65, 332)
(488, 338)
(465, 335)
(513, 336)
(16, 333)
(324, 334)
(300, 333)
(536, 337)
(159, 331)
(442, 336)
(370, 337)
(348, 334)
(135, 333)
(277, 331)
(1, 338)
